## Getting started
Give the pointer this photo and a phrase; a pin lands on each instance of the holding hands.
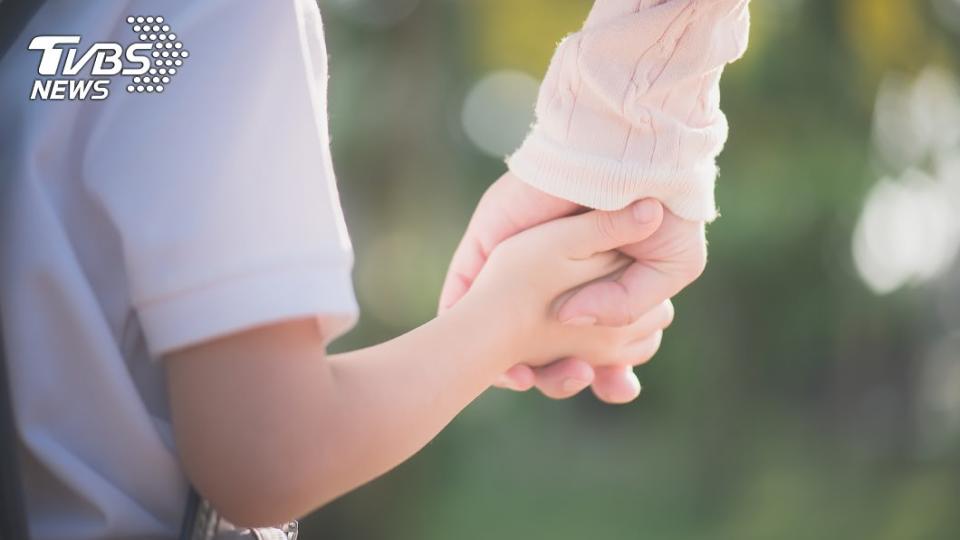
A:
(526, 278)
(305, 426)
(629, 109)
(541, 291)
(659, 255)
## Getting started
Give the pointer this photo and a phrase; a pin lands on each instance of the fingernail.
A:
(583, 320)
(645, 211)
(573, 385)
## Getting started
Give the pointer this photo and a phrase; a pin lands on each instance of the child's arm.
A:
(269, 427)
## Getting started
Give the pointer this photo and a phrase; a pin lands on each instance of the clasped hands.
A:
(638, 295)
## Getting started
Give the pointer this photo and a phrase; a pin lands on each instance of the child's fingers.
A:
(572, 276)
(519, 378)
(616, 383)
(602, 265)
(587, 234)
(661, 271)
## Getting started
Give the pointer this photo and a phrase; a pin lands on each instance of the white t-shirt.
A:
(150, 221)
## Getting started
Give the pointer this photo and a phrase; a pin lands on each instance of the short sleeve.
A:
(221, 186)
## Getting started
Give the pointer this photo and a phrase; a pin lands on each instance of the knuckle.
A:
(606, 226)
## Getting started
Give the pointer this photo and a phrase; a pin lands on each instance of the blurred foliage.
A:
(786, 400)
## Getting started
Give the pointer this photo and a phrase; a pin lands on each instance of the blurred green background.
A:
(810, 386)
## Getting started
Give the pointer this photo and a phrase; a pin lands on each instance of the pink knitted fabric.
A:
(630, 106)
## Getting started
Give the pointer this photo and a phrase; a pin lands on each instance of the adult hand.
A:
(664, 264)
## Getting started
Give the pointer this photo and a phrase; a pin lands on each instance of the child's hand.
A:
(526, 274)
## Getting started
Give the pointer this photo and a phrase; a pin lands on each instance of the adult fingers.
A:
(633, 352)
(563, 378)
(615, 384)
(618, 384)
(519, 378)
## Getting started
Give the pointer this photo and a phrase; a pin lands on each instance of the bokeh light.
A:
(498, 111)
(909, 232)
(909, 229)
(917, 119)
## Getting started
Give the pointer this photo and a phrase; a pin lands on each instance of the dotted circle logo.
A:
(167, 56)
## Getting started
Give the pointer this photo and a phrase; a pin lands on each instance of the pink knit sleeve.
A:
(630, 106)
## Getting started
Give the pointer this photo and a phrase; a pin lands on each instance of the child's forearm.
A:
(393, 398)
(270, 428)
(288, 430)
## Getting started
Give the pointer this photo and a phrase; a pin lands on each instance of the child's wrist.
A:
(504, 330)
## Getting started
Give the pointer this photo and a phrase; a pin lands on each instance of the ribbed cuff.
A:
(608, 184)
(310, 290)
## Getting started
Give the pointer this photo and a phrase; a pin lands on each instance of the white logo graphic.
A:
(150, 62)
